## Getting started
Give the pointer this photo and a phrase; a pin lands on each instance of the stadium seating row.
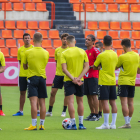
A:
(93, 25)
(115, 34)
(44, 25)
(53, 34)
(106, 1)
(13, 52)
(28, 7)
(22, 0)
(12, 43)
(107, 7)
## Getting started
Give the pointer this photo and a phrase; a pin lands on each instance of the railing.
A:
(52, 8)
(84, 3)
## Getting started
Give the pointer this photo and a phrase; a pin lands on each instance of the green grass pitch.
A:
(13, 126)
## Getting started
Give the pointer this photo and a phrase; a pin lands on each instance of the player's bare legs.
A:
(91, 104)
(53, 94)
(96, 103)
(22, 100)
(100, 109)
(80, 108)
(38, 111)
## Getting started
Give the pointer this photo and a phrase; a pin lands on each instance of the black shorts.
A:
(37, 87)
(71, 88)
(107, 92)
(23, 83)
(91, 86)
(126, 91)
(58, 82)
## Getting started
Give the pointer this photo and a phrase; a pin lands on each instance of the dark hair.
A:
(92, 37)
(26, 34)
(64, 35)
(70, 38)
(107, 40)
(37, 37)
(126, 42)
(100, 44)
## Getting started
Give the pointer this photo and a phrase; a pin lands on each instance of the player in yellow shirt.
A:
(59, 77)
(35, 60)
(75, 65)
(107, 60)
(23, 73)
(2, 68)
(128, 64)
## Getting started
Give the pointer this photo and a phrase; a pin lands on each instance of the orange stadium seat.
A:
(76, 7)
(115, 25)
(47, 44)
(14, 0)
(120, 1)
(32, 42)
(90, 8)
(101, 7)
(21, 25)
(132, 44)
(3, 0)
(135, 34)
(18, 33)
(31, 32)
(7, 34)
(44, 33)
(135, 51)
(44, 25)
(18, 7)
(124, 34)
(117, 44)
(14, 52)
(136, 25)
(57, 43)
(124, 8)
(54, 34)
(97, 1)
(104, 25)
(88, 32)
(36, 0)
(2, 44)
(126, 25)
(135, 8)
(113, 34)
(113, 7)
(41, 7)
(101, 34)
(138, 44)
(119, 52)
(92, 25)
(74, 1)
(5, 51)
(26, 0)
(108, 1)
(11, 43)
(20, 42)
(8, 6)
(85, 0)
(30, 6)
(10, 24)
(1, 24)
(32, 25)
(51, 52)
(131, 1)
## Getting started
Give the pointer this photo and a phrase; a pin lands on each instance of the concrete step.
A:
(81, 45)
(66, 13)
(68, 27)
(58, 1)
(60, 4)
(62, 9)
(57, 17)
(80, 40)
(75, 34)
(71, 31)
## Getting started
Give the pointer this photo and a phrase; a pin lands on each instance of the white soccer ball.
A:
(66, 123)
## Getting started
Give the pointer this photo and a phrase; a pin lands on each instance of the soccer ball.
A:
(66, 123)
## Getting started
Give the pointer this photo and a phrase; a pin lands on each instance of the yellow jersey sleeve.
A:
(139, 62)
(18, 55)
(98, 61)
(63, 59)
(119, 64)
(55, 57)
(2, 61)
(86, 58)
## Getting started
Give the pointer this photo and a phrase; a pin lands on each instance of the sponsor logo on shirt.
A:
(89, 53)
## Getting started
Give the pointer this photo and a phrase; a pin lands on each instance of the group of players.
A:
(90, 72)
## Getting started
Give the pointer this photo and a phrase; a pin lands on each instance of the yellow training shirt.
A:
(108, 61)
(2, 59)
(58, 53)
(128, 64)
(21, 51)
(74, 57)
(37, 59)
